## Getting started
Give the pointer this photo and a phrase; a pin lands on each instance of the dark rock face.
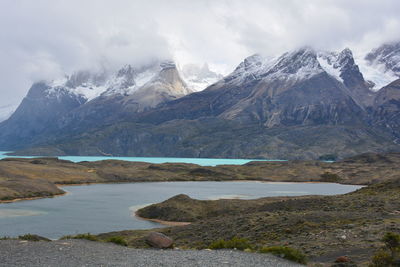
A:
(38, 111)
(159, 240)
(353, 79)
(387, 108)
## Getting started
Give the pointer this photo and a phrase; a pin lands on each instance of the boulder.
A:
(159, 240)
(344, 261)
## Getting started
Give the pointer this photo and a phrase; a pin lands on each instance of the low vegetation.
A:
(234, 243)
(86, 236)
(389, 255)
(117, 240)
(286, 253)
(330, 177)
(31, 237)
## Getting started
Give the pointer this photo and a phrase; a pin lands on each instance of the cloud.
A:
(45, 39)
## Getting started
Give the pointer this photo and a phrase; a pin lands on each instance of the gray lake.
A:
(110, 207)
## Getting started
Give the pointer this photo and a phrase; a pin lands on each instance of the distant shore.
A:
(42, 177)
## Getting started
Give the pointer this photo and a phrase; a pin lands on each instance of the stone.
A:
(159, 240)
(342, 259)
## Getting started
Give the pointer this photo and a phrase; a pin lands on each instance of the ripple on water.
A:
(7, 213)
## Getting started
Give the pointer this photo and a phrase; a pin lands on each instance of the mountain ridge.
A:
(267, 107)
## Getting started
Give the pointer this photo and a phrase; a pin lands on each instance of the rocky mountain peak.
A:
(387, 55)
(295, 65)
(127, 76)
(169, 77)
(85, 77)
(167, 64)
(301, 63)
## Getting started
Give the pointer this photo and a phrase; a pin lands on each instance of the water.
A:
(110, 207)
(198, 161)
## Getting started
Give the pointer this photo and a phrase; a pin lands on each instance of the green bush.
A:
(117, 240)
(392, 240)
(30, 237)
(86, 236)
(286, 253)
(381, 258)
(388, 255)
(234, 243)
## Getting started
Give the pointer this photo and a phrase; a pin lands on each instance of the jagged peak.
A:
(250, 63)
(297, 64)
(385, 50)
(346, 52)
(83, 77)
(167, 64)
(291, 62)
(126, 70)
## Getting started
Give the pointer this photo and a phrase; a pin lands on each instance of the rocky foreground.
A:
(28, 178)
(88, 253)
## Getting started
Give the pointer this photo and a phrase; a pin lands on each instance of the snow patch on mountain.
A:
(295, 66)
(92, 85)
(387, 54)
(199, 77)
(329, 62)
(375, 73)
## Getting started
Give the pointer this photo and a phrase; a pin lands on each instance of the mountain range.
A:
(304, 104)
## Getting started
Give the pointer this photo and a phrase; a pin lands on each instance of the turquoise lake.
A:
(102, 208)
(199, 161)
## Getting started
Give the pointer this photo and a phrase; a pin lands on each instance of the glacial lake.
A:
(198, 161)
(103, 208)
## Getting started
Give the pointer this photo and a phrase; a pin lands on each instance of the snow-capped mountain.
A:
(297, 65)
(292, 89)
(89, 85)
(199, 77)
(303, 101)
(129, 79)
(87, 99)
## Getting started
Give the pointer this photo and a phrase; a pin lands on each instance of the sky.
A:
(46, 39)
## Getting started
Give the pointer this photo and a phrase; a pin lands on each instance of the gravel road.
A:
(88, 253)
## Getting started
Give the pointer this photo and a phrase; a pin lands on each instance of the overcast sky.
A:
(44, 39)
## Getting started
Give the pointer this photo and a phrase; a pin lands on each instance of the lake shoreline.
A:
(163, 222)
(43, 176)
(31, 198)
